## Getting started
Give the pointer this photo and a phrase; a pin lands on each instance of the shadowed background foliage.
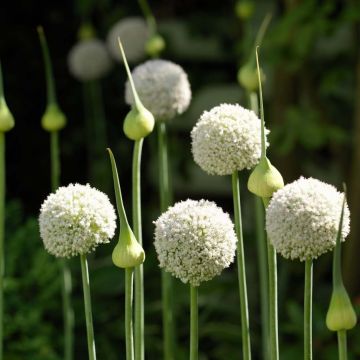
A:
(311, 58)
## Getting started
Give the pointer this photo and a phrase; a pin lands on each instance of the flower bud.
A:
(53, 119)
(128, 252)
(265, 179)
(248, 78)
(86, 32)
(6, 118)
(138, 123)
(244, 9)
(155, 45)
(341, 314)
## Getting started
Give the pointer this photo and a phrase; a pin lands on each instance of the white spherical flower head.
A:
(195, 241)
(75, 220)
(302, 219)
(89, 60)
(133, 33)
(226, 139)
(163, 88)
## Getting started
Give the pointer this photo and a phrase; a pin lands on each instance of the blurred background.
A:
(311, 59)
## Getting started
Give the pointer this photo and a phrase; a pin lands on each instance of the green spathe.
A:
(265, 179)
(128, 252)
(341, 314)
(6, 118)
(53, 119)
(138, 123)
(155, 45)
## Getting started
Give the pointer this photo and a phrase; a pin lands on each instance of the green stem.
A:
(194, 326)
(129, 273)
(55, 160)
(139, 276)
(342, 344)
(245, 329)
(308, 310)
(166, 279)
(2, 234)
(150, 18)
(1, 83)
(88, 312)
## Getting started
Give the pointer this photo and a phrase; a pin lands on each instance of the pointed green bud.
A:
(128, 252)
(139, 122)
(265, 179)
(155, 45)
(248, 78)
(244, 9)
(53, 119)
(6, 118)
(341, 314)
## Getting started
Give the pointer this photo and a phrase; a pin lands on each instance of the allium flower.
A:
(226, 139)
(75, 220)
(133, 33)
(89, 60)
(163, 87)
(302, 219)
(195, 241)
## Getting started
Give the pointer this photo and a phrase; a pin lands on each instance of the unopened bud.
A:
(248, 78)
(155, 45)
(6, 118)
(53, 119)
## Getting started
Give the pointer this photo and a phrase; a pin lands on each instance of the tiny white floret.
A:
(195, 241)
(227, 139)
(163, 88)
(75, 220)
(302, 219)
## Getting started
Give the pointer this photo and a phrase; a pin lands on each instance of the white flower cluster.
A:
(227, 138)
(89, 60)
(133, 33)
(195, 241)
(75, 219)
(163, 88)
(302, 219)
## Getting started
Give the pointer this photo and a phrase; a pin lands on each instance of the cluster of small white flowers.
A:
(89, 60)
(163, 88)
(195, 241)
(133, 33)
(302, 219)
(75, 219)
(227, 138)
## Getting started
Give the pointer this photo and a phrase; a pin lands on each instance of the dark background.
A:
(311, 58)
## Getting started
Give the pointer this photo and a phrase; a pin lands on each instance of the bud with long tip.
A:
(53, 119)
(155, 45)
(128, 252)
(6, 118)
(139, 122)
(341, 314)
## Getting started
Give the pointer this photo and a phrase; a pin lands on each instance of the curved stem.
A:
(2, 234)
(241, 269)
(166, 279)
(129, 273)
(194, 327)
(308, 310)
(139, 276)
(88, 312)
(342, 344)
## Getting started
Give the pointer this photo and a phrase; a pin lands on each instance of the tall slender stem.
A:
(88, 312)
(148, 15)
(129, 277)
(308, 310)
(166, 279)
(342, 344)
(194, 326)
(241, 269)
(139, 276)
(2, 234)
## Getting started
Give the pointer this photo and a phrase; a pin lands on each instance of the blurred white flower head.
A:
(163, 88)
(133, 33)
(89, 60)
(195, 241)
(302, 219)
(75, 220)
(227, 139)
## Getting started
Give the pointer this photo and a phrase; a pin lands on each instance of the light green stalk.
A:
(194, 326)
(342, 344)
(68, 313)
(129, 273)
(245, 327)
(150, 18)
(2, 234)
(88, 312)
(308, 309)
(166, 279)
